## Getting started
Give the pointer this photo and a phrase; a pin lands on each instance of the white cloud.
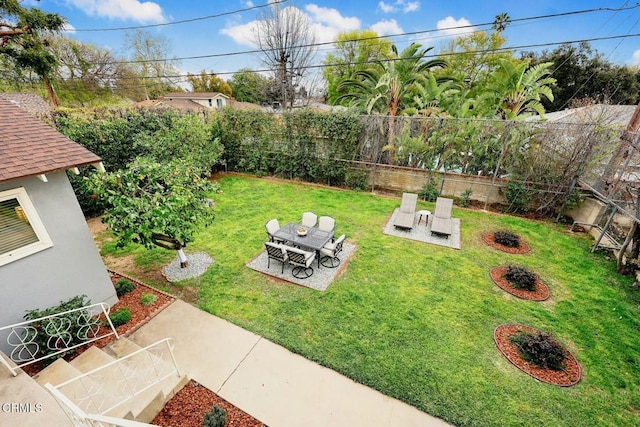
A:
(448, 26)
(405, 6)
(332, 18)
(635, 59)
(134, 10)
(248, 3)
(68, 28)
(325, 22)
(385, 28)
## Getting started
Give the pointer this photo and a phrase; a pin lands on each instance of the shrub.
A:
(429, 191)
(120, 316)
(148, 298)
(521, 278)
(465, 198)
(217, 417)
(518, 197)
(124, 286)
(541, 349)
(507, 238)
(48, 339)
(356, 179)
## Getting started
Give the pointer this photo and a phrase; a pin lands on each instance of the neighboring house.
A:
(207, 100)
(47, 253)
(617, 115)
(31, 102)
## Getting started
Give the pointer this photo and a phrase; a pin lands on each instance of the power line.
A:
(184, 21)
(411, 33)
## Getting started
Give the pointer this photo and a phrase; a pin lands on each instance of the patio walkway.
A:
(266, 380)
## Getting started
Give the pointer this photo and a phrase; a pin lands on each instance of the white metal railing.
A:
(110, 386)
(57, 333)
(80, 418)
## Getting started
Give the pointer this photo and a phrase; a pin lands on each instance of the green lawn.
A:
(416, 321)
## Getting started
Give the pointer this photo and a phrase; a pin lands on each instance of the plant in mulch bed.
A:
(541, 349)
(507, 238)
(124, 286)
(217, 417)
(148, 298)
(521, 278)
(120, 316)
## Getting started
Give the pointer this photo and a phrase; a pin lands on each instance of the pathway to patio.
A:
(266, 380)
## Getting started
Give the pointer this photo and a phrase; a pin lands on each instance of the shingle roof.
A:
(193, 95)
(30, 147)
(29, 101)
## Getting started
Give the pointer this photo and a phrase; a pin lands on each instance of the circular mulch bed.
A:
(568, 377)
(541, 292)
(522, 249)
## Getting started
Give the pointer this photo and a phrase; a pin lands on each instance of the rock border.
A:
(541, 293)
(566, 378)
(523, 249)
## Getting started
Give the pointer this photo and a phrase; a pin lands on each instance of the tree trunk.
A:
(52, 94)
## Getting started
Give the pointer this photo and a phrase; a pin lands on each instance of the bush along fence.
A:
(532, 165)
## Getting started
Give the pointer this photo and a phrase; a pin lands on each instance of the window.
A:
(21, 231)
(220, 103)
(210, 103)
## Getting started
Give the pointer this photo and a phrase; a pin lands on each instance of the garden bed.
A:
(540, 293)
(523, 248)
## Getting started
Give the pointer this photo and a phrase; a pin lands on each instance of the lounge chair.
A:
(277, 252)
(441, 222)
(327, 223)
(309, 219)
(407, 213)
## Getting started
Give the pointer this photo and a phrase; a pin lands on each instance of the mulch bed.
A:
(570, 376)
(522, 249)
(188, 406)
(540, 293)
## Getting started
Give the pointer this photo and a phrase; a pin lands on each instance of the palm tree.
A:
(515, 89)
(389, 85)
(501, 22)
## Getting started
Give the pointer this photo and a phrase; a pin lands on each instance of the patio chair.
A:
(329, 253)
(442, 223)
(277, 252)
(309, 219)
(327, 223)
(407, 213)
(272, 227)
(301, 260)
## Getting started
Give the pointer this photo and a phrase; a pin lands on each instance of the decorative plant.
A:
(124, 286)
(541, 349)
(465, 197)
(521, 278)
(120, 316)
(518, 197)
(217, 417)
(507, 238)
(148, 298)
(429, 191)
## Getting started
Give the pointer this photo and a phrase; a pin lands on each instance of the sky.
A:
(220, 31)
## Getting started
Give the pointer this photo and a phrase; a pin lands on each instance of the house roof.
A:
(193, 95)
(619, 115)
(30, 147)
(29, 101)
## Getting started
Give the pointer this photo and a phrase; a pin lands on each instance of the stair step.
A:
(56, 373)
(121, 347)
(91, 359)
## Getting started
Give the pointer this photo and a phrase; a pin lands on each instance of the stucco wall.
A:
(71, 267)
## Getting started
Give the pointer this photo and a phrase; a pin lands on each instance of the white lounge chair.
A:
(441, 222)
(407, 213)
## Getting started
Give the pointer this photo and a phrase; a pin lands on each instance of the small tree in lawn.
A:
(156, 204)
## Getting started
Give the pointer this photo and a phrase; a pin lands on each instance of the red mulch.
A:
(188, 406)
(568, 377)
(540, 293)
(522, 249)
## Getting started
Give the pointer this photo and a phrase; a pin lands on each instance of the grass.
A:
(415, 321)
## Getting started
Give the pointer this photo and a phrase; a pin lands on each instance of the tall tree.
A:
(248, 86)
(501, 22)
(22, 39)
(354, 50)
(584, 73)
(209, 82)
(150, 55)
(516, 90)
(388, 86)
(286, 41)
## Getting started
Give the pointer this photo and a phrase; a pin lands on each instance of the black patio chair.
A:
(277, 252)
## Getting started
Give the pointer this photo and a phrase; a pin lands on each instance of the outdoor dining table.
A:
(314, 239)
